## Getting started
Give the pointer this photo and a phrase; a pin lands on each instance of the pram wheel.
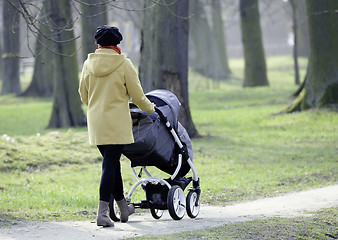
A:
(113, 210)
(193, 205)
(156, 213)
(176, 202)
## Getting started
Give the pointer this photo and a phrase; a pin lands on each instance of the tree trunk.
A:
(302, 33)
(295, 46)
(300, 88)
(1, 44)
(92, 16)
(1, 51)
(255, 66)
(199, 39)
(42, 82)
(219, 33)
(11, 50)
(67, 111)
(165, 41)
(150, 71)
(209, 56)
(321, 86)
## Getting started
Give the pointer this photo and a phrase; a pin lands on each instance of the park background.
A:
(247, 143)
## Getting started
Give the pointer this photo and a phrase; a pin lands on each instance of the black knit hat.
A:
(108, 36)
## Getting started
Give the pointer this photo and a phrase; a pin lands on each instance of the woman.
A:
(107, 82)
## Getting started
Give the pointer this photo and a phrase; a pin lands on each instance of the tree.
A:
(295, 46)
(301, 38)
(42, 84)
(321, 85)
(1, 61)
(11, 48)
(150, 72)
(302, 33)
(254, 57)
(209, 57)
(67, 111)
(219, 33)
(164, 54)
(93, 14)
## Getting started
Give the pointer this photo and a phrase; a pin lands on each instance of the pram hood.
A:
(163, 97)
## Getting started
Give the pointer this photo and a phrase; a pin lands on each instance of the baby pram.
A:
(161, 141)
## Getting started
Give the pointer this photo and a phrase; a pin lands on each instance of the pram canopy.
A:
(164, 99)
(154, 144)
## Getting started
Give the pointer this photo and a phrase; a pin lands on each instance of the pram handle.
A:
(162, 116)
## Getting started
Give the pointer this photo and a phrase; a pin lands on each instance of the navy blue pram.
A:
(161, 141)
(154, 144)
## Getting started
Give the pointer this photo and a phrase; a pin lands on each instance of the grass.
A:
(255, 151)
(316, 225)
(247, 151)
(266, 155)
(23, 116)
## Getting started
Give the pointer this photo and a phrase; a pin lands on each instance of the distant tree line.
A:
(166, 27)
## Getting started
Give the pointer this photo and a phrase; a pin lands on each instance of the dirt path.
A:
(293, 204)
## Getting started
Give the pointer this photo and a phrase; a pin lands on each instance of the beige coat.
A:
(107, 81)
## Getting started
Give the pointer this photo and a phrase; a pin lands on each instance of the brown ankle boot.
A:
(125, 210)
(102, 218)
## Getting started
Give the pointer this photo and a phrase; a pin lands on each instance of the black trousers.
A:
(111, 179)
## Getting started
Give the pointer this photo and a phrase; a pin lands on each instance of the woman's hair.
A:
(108, 36)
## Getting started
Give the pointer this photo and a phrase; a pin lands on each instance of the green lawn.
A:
(248, 150)
(316, 225)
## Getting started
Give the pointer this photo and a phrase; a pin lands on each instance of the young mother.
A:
(107, 82)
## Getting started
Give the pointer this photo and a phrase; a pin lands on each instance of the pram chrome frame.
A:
(176, 203)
